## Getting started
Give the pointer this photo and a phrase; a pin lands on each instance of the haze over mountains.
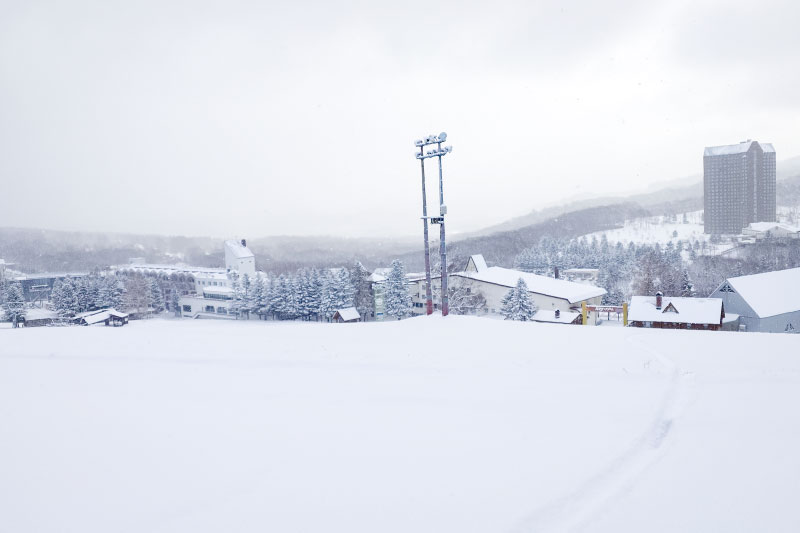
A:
(38, 250)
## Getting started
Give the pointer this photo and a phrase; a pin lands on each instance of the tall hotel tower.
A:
(738, 186)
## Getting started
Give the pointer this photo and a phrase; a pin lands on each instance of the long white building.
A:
(204, 292)
(549, 294)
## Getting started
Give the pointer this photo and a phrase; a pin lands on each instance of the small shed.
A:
(39, 317)
(110, 317)
(348, 314)
(556, 316)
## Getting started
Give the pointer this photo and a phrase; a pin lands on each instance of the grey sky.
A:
(258, 118)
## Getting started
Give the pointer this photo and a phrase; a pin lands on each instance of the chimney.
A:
(659, 296)
(244, 243)
(558, 313)
(555, 272)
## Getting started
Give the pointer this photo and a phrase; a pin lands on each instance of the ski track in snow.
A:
(574, 511)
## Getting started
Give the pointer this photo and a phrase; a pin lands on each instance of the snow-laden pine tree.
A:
(327, 295)
(175, 302)
(65, 302)
(278, 296)
(396, 298)
(363, 298)
(156, 296)
(305, 304)
(265, 299)
(14, 303)
(56, 295)
(517, 303)
(236, 305)
(686, 285)
(292, 305)
(314, 290)
(344, 289)
(255, 295)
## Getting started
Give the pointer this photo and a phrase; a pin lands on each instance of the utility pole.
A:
(438, 152)
(428, 294)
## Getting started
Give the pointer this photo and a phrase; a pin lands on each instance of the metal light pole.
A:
(428, 295)
(438, 152)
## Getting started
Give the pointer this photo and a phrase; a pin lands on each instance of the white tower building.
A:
(239, 257)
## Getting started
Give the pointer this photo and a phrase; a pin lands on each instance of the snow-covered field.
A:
(657, 229)
(426, 425)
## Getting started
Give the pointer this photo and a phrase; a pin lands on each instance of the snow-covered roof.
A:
(348, 313)
(37, 313)
(172, 269)
(238, 250)
(676, 309)
(95, 317)
(415, 276)
(549, 315)
(768, 226)
(731, 149)
(770, 293)
(218, 290)
(476, 263)
(557, 288)
(376, 278)
(581, 270)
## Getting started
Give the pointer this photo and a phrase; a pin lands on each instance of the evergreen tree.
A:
(686, 285)
(278, 296)
(65, 301)
(175, 302)
(517, 303)
(156, 299)
(344, 289)
(397, 300)
(363, 298)
(327, 296)
(14, 303)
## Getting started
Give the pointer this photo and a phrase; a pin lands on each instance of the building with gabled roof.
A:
(347, 314)
(666, 312)
(768, 302)
(547, 293)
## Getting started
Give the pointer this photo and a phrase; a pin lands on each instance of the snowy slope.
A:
(429, 424)
(657, 229)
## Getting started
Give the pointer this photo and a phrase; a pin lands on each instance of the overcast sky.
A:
(264, 118)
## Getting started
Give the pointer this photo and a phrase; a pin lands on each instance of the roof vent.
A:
(244, 243)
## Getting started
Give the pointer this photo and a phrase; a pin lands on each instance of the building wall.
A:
(734, 303)
(738, 189)
(198, 304)
(494, 295)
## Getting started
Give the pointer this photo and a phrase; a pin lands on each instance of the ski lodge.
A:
(666, 312)
(768, 302)
(549, 294)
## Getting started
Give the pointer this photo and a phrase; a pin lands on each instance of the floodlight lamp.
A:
(442, 137)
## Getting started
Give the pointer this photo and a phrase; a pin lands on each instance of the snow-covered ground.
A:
(657, 229)
(425, 425)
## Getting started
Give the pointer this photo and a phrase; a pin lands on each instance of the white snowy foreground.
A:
(426, 425)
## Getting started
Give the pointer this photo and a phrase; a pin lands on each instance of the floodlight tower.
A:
(437, 152)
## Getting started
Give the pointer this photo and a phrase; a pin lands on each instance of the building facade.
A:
(738, 186)
(548, 294)
(665, 312)
(767, 302)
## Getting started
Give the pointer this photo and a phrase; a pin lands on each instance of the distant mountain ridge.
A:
(36, 250)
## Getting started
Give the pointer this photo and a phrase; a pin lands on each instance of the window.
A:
(209, 309)
(222, 311)
(187, 308)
